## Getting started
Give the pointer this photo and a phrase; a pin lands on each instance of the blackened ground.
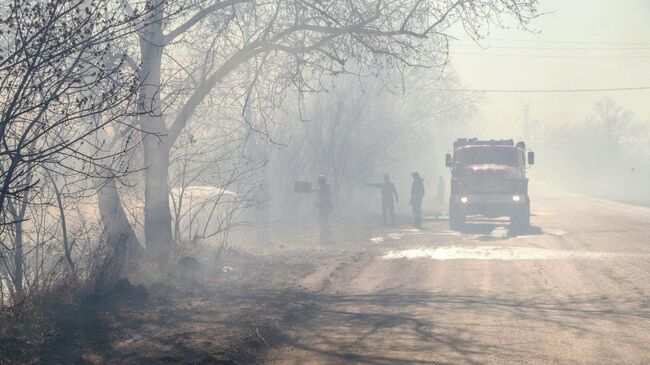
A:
(210, 318)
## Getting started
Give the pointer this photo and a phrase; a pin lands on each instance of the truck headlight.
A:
(516, 198)
(463, 199)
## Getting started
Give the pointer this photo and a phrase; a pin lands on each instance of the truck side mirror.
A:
(531, 157)
(448, 160)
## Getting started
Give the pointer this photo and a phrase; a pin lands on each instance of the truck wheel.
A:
(456, 217)
(520, 220)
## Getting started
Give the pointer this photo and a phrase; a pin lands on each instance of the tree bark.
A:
(19, 216)
(67, 247)
(157, 215)
(18, 263)
(124, 247)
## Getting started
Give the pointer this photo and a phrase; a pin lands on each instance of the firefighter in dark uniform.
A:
(388, 191)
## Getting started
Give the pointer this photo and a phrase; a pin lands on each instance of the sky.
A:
(579, 44)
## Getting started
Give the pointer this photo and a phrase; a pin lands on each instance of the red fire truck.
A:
(488, 178)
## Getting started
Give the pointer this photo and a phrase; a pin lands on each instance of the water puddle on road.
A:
(491, 253)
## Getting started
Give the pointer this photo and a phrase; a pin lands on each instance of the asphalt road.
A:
(575, 289)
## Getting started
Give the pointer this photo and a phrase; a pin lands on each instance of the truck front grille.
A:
(486, 181)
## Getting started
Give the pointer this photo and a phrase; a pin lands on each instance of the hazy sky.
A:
(582, 44)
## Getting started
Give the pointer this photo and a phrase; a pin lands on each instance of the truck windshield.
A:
(487, 155)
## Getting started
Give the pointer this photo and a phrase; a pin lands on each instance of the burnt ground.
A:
(211, 320)
(231, 311)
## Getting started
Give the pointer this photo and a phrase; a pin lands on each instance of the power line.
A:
(547, 90)
(565, 41)
(556, 48)
(552, 56)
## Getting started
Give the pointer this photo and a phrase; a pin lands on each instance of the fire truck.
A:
(488, 178)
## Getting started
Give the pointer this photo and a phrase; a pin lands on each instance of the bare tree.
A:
(61, 81)
(605, 154)
(211, 180)
(361, 128)
(288, 41)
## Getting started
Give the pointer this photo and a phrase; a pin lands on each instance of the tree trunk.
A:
(67, 246)
(157, 215)
(18, 263)
(18, 217)
(124, 247)
(17, 276)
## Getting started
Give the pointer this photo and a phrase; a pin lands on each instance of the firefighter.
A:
(417, 194)
(388, 191)
(324, 205)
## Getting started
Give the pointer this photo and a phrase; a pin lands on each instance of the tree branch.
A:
(199, 16)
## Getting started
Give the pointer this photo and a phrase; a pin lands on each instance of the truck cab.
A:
(488, 178)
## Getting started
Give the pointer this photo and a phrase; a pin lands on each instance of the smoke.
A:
(605, 154)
